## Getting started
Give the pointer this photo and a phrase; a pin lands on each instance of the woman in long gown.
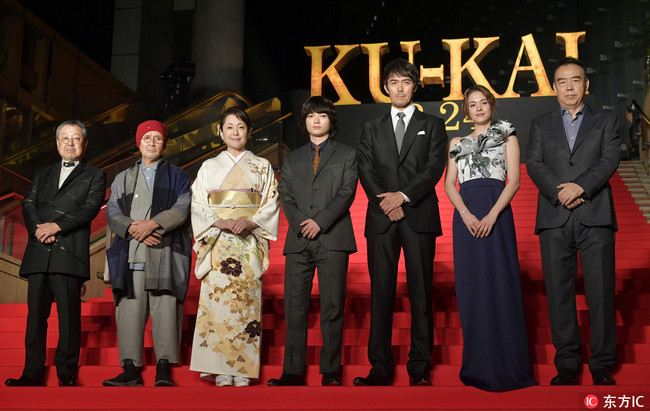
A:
(486, 265)
(235, 212)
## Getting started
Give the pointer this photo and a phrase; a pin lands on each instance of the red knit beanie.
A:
(151, 125)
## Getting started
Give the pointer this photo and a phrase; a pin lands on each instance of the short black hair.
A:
(319, 104)
(570, 60)
(400, 67)
(239, 113)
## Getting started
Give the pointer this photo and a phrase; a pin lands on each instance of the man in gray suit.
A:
(572, 153)
(317, 186)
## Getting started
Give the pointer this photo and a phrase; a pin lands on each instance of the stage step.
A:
(100, 355)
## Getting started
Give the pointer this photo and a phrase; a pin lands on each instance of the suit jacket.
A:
(415, 171)
(325, 197)
(590, 164)
(72, 207)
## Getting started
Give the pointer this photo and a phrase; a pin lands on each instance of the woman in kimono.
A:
(235, 212)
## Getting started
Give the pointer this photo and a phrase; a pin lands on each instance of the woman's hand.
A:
(243, 227)
(471, 222)
(226, 224)
(485, 226)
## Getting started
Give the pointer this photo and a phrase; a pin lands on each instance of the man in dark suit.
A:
(317, 187)
(572, 153)
(401, 157)
(58, 207)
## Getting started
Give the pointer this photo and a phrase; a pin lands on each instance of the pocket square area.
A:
(421, 132)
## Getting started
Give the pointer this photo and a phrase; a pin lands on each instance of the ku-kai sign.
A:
(435, 75)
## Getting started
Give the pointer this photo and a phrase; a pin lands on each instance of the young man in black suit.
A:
(317, 187)
(59, 205)
(401, 157)
(572, 153)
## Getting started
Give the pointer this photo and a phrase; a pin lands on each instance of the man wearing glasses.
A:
(59, 205)
(149, 260)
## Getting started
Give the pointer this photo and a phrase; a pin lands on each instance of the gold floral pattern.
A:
(228, 332)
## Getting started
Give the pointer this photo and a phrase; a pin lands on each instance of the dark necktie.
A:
(400, 130)
(68, 164)
(316, 159)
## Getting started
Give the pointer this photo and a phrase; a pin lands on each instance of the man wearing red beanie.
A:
(149, 261)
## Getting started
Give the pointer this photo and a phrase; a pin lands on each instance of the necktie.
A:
(68, 164)
(316, 159)
(400, 130)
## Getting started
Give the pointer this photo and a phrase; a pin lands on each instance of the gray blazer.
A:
(590, 164)
(325, 197)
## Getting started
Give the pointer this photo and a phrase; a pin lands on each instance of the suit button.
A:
(570, 163)
(311, 207)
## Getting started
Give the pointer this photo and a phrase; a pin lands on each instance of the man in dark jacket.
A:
(572, 153)
(59, 205)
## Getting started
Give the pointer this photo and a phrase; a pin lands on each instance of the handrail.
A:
(206, 102)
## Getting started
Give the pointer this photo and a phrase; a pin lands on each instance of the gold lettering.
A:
(536, 66)
(345, 54)
(374, 52)
(411, 47)
(570, 42)
(455, 47)
(443, 110)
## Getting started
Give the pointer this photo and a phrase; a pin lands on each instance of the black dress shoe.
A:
(330, 379)
(163, 374)
(286, 380)
(565, 377)
(372, 381)
(24, 381)
(602, 377)
(422, 380)
(68, 382)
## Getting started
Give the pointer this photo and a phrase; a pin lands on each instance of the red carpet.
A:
(99, 356)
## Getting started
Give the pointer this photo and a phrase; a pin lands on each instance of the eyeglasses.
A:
(76, 140)
(156, 139)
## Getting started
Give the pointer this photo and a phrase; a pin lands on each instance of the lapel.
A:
(303, 156)
(77, 170)
(411, 133)
(558, 130)
(327, 154)
(588, 121)
(55, 174)
(388, 135)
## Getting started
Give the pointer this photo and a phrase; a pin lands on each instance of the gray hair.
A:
(73, 122)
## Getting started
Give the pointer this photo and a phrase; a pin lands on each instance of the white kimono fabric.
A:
(228, 332)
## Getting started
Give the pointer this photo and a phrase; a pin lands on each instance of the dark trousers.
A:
(42, 289)
(299, 273)
(560, 248)
(383, 257)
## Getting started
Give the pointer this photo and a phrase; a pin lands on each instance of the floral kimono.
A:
(228, 333)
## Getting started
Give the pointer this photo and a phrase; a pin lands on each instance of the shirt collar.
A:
(321, 145)
(408, 111)
(154, 167)
(563, 111)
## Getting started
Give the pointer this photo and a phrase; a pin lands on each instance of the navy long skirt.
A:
(488, 291)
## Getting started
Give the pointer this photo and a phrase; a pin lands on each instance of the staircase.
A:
(99, 354)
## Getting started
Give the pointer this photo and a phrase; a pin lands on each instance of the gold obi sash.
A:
(234, 204)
